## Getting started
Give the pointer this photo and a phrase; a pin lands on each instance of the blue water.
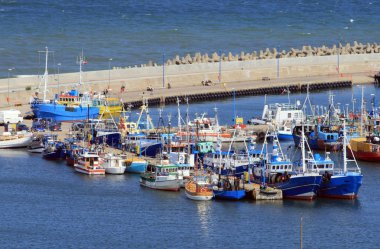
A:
(47, 204)
(134, 32)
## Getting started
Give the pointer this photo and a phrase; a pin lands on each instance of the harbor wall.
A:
(279, 71)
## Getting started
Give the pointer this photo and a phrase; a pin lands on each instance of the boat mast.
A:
(344, 148)
(362, 113)
(46, 71)
(303, 150)
(179, 116)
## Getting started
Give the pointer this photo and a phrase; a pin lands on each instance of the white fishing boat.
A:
(88, 163)
(15, 140)
(161, 177)
(284, 116)
(114, 164)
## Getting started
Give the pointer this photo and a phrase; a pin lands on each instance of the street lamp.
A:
(58, 65)
(9, 72)
(109, 72)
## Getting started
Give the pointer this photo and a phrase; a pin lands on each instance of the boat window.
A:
(273, 167)
(289, 115)
(286, 166)
(282, 167)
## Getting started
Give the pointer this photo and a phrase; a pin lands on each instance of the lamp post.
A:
(220, 67)
(163, 70)
(109, 72)
(278, 63)
(9, 72)
(58, 65)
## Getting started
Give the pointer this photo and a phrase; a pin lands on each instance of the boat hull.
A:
(285, 136)
(21, 142)
(55, 155)
(61, 113)
(229, 194)
(89, 171)
(115, 170)
(341, 186)
(198, 197)
(365, 156)
(316, 144)
(36, 150)
(136, 167)
(166, 185)
(300, 187)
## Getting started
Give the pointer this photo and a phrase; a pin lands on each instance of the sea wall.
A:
(306, 51)
(289, 68)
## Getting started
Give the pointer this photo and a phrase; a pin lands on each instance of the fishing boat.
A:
(113, 164)
(88, 163)
(276, 170)
(320, 137)
(37, 145)
(284, 116)
(365, 148)
(54, 150)
(198, 188)
(18, 139)
(231, 162)
(341, 183)
(229, 188)
(67, 106)
(135, 165)
(161, 177)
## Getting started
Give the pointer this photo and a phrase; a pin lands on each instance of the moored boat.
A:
(15, 140)
(88, 163)
(365, 148)
(135, 165)
(161, 177)
(229, 188)
(277, 171)
(343, 183)
(113, 164)
(198, 188)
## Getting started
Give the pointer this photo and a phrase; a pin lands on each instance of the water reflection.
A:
(204, 215)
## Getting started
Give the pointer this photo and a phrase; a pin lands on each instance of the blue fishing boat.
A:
(231, 162)
(229, 194)
(67, 106)
(278, 171)
(343, 183)
(229, 188)
(136, 165)
(54, 150)
(320, 137)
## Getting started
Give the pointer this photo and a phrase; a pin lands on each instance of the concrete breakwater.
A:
(241, 92)
(341, 49)
(187, 78)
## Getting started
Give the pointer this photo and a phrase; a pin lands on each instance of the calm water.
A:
(46, 204)
(134, 32)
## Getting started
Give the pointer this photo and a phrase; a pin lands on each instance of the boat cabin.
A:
(320, 164)
(89, 159)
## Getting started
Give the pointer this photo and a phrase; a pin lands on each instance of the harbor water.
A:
(47, 204)
(135, 32)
